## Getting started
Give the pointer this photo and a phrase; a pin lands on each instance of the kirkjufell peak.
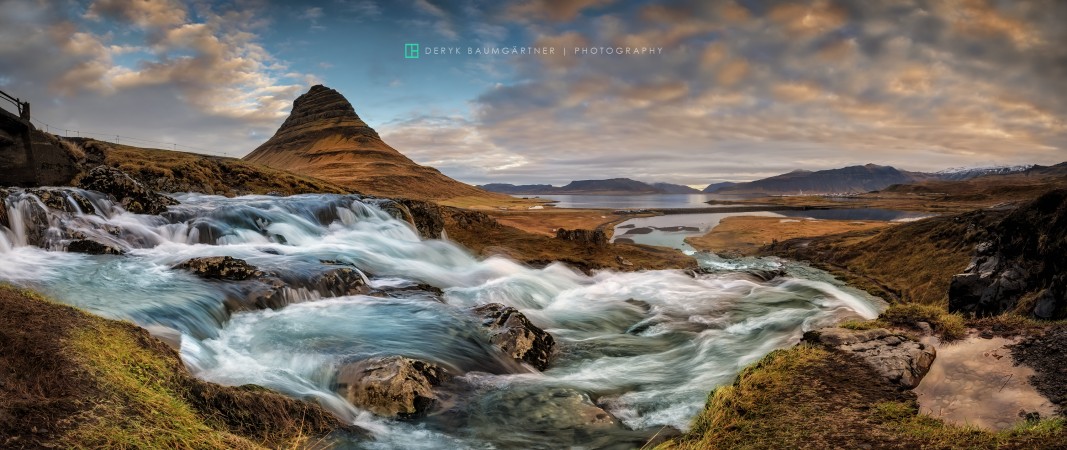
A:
(325, 138)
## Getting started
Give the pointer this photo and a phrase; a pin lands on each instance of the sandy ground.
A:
(743, 235)
(974, 382)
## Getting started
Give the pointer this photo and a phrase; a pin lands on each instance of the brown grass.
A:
(485, 236)
(546, 221)
(744, 235)
(909, 262)
(171, 171)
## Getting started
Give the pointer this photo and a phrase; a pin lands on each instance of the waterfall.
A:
(646, 346)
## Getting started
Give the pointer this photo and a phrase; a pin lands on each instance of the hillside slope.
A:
(324, 138)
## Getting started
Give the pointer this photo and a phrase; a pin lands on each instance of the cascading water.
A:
(647, 347)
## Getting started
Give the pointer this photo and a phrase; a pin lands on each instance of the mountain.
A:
(966, 173)
(866, 178)
(612, 186)
(716, 187)
(671, 188)
(324, 138)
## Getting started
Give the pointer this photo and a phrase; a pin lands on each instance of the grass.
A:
(174, 171)
(950, 327)
(811, 397)
(141, 408)
(907, 263)
(73, 380)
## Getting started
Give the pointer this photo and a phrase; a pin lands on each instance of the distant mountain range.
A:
(851, 179)
(612, 186)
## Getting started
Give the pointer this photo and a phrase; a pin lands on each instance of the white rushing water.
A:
(646, 346)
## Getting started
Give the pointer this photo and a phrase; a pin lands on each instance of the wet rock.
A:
(392, 386)
(426, 217)
(542, 410)
(895, 356)
(221, 268)
(63, 200)
(133, 196)
(593, 237)
(511, 332)
(767, 274)
(92, 247)
(339, 282)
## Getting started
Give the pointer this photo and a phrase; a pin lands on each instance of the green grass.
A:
(951, 327)
(143, 407)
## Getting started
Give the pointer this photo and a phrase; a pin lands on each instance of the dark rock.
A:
(767, 274)
(339, 282)
(1027, 256)
(472, 220)
(92, 247)
(60, 199)
(424, 216)
(133, 196)
(511, 332)
(393, 386)
(896, 357)
(594, 237)
(221, 268)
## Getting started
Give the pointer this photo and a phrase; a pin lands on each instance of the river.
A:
(647, 347)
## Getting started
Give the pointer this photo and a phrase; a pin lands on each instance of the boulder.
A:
(426, 217)
(895, 356)
(511, 332)
(133, 196)
(339, 282)
(221, 268)
(541, 409)
(392, 386)
(92, 247)
(63, 199)
(593, 237)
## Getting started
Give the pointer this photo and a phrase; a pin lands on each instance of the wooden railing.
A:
(22, 107)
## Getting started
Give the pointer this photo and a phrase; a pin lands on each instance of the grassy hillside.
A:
(69, 379)
(171, 171)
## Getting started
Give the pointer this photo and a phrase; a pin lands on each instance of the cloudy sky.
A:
(741, 90)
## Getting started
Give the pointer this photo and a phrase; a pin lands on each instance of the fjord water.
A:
(647, 346)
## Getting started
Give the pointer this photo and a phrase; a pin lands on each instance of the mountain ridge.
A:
(325, 138)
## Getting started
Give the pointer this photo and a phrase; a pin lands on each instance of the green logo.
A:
(411, 51)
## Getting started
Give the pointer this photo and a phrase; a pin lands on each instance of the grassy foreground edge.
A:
(69, 379)
(812, 397)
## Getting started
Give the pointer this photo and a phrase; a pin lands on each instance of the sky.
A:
(732, 90)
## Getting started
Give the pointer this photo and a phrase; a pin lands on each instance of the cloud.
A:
(741, 92)
(555, 10)
(165, 69)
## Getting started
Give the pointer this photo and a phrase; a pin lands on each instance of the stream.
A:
(646, 347)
